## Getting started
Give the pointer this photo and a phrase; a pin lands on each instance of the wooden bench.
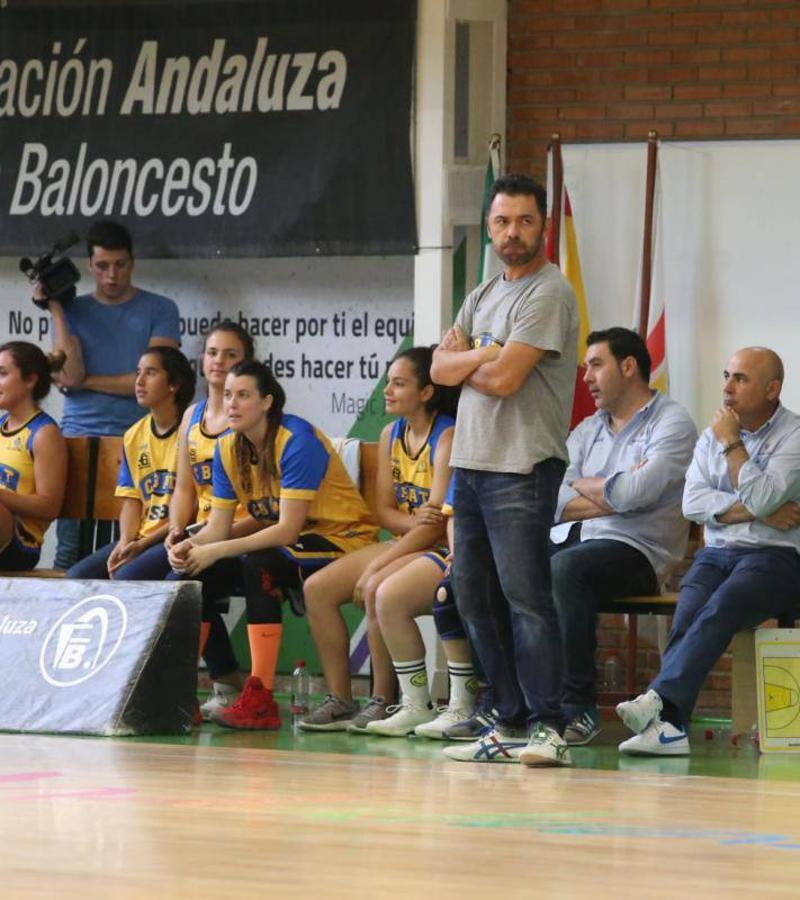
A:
(743, 675)
(92, 468)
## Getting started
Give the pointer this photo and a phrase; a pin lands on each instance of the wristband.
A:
(731, 447)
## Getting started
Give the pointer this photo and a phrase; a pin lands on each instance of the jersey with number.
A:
(200, 445)
(412, 475)
(308, 468)
(16, 471)
(147, 472)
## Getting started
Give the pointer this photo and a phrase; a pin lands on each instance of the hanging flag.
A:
(488, 263)
(656, 317)
(563, 248)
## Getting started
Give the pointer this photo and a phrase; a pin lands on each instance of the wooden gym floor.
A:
(224, 814)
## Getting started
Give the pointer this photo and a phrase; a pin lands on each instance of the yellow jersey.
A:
(200, 445)
(147, 473)
(308, 469)
(412, 476)
(16, 471)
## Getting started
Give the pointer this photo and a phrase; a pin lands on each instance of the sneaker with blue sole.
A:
(500, 745)
(658, 739)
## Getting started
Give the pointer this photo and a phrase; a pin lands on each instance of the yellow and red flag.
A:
(657, 313)
(583, 405)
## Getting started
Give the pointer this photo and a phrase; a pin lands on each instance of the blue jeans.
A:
(725, 591)
(501, 576)
(586, 574)
(151, 565)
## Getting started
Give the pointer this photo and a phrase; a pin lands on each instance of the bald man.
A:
(743, 486)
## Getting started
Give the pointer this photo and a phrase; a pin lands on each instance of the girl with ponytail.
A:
(33, 455)
(290, 479)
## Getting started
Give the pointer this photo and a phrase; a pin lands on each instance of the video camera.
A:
(57, 274)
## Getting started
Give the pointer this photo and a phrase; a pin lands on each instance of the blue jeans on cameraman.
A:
(501, 574)
(726, 590)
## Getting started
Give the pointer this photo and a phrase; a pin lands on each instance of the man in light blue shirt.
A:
(103, 334)
(744, 486)
(619, 506)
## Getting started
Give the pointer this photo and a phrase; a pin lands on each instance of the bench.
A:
(743, 674)
(92, 467)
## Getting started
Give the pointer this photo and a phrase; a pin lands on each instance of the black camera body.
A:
(57, 274)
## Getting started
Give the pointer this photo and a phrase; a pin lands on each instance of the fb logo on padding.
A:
(83, 640)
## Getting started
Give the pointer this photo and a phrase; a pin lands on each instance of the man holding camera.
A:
(103, 334)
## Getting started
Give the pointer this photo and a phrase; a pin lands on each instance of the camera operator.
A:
(103, 334)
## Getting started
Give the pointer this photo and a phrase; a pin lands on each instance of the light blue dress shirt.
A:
(767, 480)
(646, 500)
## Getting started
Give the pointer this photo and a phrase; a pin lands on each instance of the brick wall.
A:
(612, 70)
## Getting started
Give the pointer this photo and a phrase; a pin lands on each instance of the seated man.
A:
(619, 505)
(744, 486)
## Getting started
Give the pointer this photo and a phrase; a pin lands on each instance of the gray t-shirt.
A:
(512, 434)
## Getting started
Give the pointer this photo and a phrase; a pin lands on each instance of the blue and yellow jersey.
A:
(200, 445)
(16, 471)
(413, 475)
(308, 469)
(147, 472)
(447, 506)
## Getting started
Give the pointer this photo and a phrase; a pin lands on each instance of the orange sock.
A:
(265, 644)
(205, 630)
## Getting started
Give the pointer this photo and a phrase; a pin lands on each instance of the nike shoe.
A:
(255, 710)
(639, 713)
(658, 739)
(333, 714)
(374, 710)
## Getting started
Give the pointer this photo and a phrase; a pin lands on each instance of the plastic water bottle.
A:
(300, 690)
(612, 674)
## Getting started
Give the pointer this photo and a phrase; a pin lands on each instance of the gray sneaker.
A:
(582, 728)
(372, 712)
(333, 714)
(478, 724)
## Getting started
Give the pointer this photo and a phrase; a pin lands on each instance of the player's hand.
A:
(429, 514)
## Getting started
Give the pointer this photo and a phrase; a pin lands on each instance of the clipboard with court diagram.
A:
(778, 684)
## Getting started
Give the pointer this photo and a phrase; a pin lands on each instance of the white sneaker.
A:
(221, 695)
(402, 720)
(546, 747)
(658, 739)
(500, 745)
(448, 716)
(639, 713)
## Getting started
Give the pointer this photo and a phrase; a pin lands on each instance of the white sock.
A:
(463, 685)
(413, 681)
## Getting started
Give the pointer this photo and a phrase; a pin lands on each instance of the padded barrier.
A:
(98, 657)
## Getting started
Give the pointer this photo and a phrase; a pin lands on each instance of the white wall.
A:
(304, 292)
(732, 237)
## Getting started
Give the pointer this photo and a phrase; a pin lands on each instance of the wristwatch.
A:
(729, 448)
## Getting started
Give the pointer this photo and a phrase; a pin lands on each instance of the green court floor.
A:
(712, 752)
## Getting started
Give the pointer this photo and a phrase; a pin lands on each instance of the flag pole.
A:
(554, 233)
(647, 242)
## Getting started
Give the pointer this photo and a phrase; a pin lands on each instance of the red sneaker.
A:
(255, 709)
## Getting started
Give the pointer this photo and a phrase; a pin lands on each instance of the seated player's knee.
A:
(448, 622)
